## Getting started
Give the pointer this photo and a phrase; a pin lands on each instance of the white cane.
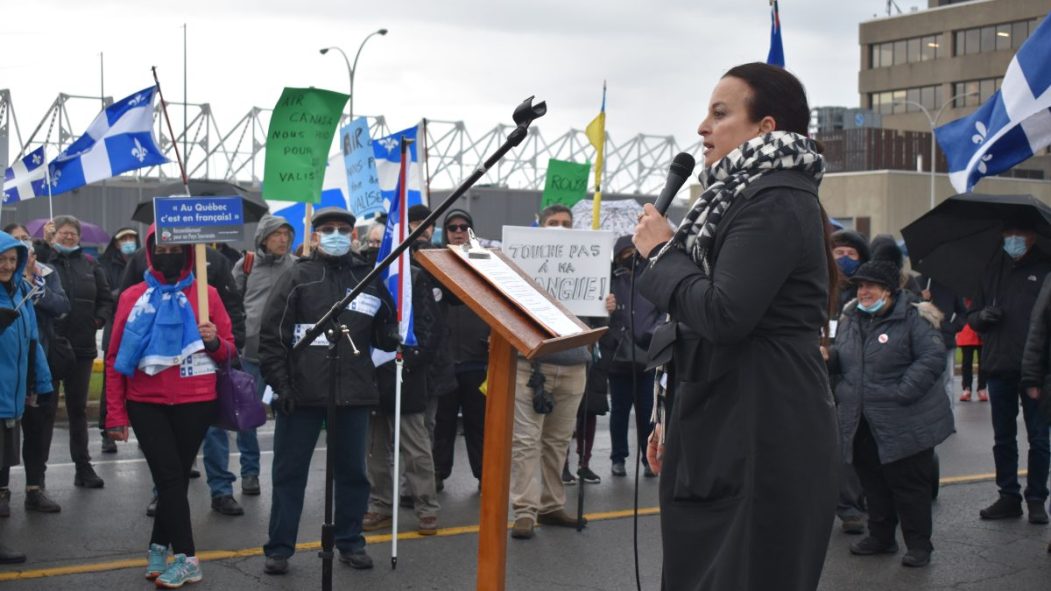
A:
(396, 475)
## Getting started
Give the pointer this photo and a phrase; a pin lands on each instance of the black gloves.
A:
(990, 315)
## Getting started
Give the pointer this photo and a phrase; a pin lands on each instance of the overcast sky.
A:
(470, 60)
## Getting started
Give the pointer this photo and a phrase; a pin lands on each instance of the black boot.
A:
(37, 500)
(5, 502)
(86, 477)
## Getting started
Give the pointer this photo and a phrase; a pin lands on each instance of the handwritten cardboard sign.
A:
(297, 143)
(366, 199)
(573, 265)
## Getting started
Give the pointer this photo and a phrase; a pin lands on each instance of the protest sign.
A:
(297, 143)
(566, 183)
(366, 199)
(572, 265)
(196, 220)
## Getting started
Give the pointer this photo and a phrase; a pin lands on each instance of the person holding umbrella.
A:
(1001, 317)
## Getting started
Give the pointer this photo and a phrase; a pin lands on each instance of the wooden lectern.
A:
(514, 331)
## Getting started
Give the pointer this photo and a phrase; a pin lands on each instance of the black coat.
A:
(90, 299)
(1013, 290)
(300, 297)
(646, 315)
(1036, 358)
(952, 308)
(750, 476)
(220, 276)
(420, 370)
(889, 370)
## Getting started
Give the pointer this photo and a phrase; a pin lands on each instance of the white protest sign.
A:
(572, 265)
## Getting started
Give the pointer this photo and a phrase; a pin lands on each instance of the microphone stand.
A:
(525, 113)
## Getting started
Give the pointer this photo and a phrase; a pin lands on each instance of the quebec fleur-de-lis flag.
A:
(1012, 125)
(118, 140)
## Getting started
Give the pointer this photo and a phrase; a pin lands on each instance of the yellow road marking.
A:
(211, 555)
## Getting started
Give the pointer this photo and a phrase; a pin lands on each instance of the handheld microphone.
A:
(680, 170)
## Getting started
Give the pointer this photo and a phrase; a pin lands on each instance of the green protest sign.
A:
(297, 143)
(567, 183)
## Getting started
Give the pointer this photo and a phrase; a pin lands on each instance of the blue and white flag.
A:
(118, 140)
(776, 56)
(398, 276)
(25, 177)
(1012, 125)
(388, 160)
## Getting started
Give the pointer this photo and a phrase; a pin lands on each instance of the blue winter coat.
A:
(16, 340)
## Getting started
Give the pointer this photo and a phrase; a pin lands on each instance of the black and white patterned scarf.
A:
(727, 178)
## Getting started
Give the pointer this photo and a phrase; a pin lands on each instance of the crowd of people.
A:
(160, 367)
(827, 368)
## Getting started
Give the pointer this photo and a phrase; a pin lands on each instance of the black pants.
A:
(900, 490)
(470, 399)
(170, 436)
(38, 424)
(75, 390)
(969, 355)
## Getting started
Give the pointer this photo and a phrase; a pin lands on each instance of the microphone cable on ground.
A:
(635, 401)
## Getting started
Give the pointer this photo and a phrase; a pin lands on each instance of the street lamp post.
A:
(351, 69)
(933, 121)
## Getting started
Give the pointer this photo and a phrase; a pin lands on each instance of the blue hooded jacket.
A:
(16, 339)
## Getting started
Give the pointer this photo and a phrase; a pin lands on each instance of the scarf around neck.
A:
(728, 178)
(161, 330)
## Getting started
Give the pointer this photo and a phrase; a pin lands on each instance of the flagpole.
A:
(596, 203)
(403, 204)
(47, 168)
(200, 262)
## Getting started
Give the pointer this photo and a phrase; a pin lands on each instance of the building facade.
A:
(950, 58)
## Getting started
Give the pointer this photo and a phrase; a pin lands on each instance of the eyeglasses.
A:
(326, 230)
(458, 227)
(67, 234)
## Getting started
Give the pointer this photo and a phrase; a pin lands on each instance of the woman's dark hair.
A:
(776, 93)
(15, 226)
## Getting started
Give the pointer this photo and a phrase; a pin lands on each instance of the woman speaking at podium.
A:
(747, 451)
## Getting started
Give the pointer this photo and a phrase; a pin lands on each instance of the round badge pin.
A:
(883, 338)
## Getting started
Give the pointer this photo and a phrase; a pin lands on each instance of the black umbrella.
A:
(960, 241)
(253, 209)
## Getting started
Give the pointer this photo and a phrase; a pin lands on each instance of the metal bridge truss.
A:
(635, 165)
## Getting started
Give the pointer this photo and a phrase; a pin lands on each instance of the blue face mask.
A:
(1015, 246)
(335, 244)
(848, 265)
(65, 249)
(876, 307)
(128, 248)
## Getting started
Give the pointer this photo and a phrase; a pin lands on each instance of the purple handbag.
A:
(239, 407)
